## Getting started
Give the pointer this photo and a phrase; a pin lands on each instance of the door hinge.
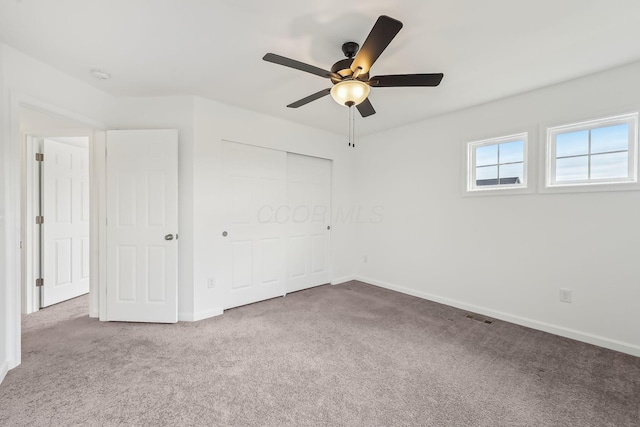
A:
(39, 282)
(39, 219)
(39, 157)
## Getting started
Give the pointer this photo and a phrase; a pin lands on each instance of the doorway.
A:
(55, 209)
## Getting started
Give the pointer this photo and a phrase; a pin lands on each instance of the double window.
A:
(498, 163)
(595, 152)
(586, 154)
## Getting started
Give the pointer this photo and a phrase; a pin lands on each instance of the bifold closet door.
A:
(309, 228)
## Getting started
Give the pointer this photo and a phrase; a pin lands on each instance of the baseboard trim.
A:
(341, 280)
(3, 371)
(200, 315)
(600, 341)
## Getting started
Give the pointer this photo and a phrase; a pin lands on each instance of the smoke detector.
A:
(100, 75)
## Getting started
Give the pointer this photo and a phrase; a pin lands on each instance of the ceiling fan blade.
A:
(397, 80)
(383, 31)
(308, 99)
(365, 108)
(292, 63)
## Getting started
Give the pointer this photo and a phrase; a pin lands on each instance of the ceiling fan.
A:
(350, 77)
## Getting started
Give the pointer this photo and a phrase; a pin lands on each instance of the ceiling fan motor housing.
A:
(343, 67)
(350, 49)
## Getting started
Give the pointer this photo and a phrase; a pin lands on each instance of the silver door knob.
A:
(224, 234)
(168, 237)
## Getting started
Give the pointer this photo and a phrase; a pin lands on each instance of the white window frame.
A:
(629, 182)
(472, 187)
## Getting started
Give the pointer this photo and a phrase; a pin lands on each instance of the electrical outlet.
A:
(365, 259)
(211, 282)
(565, 295)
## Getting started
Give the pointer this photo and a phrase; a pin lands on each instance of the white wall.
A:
(4, 301)
(215, 122)
(505, 256)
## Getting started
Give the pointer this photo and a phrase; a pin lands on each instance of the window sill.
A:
(504, 191)
(590, 187)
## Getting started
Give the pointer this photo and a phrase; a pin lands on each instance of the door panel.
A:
(309, 200)
(319, 243)
(253, 259)
(65, 238)
(142, 208)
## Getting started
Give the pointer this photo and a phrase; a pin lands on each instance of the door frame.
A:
(15, 217)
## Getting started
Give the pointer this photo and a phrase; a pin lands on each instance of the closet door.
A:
(253, 259)
(308, 239)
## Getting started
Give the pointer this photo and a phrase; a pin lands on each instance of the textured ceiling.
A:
(487, 49)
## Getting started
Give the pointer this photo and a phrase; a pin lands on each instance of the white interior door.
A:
(65, 232)
(308, 240)
(253, 260)
(142, 226)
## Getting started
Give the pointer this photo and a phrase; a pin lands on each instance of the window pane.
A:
(613, 165)
(512, 174)
(572, 169)
(487, 175)
(610, 138)
(512, 152)
(572, 143)
(487, 155)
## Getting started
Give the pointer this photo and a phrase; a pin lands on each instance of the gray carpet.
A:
(347, 355)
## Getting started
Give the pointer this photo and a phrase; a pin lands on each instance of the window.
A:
(497, 163)
(595, 152)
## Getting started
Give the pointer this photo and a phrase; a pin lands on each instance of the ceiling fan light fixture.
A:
(350, 92)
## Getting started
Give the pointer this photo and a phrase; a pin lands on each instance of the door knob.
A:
(168, 237)
(224, 234)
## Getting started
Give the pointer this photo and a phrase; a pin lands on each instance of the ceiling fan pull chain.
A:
(352, 142)
(349, 125)
(353, 127)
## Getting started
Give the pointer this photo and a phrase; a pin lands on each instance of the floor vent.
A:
(475, 317)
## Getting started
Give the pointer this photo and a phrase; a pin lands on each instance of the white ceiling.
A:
(486, 49)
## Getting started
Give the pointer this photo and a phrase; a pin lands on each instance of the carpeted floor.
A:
(347, 355)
